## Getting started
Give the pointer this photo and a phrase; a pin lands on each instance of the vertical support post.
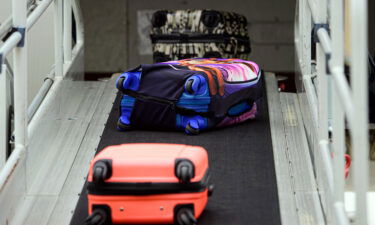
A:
(79, 20)
(306, 37)
(322, 94)
(58, 22)
(298, 42)
(322, 78)
(19, 12)
(67, 31)
(338, 132)
(319, 12)
(3, 115)
(358, 76)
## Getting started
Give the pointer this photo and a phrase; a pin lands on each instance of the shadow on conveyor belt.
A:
(241, 165)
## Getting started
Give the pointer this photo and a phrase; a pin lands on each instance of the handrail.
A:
(37, 12)
(10, 164)
(34, 15)
(348, 101)
(8, 45)
(23, 114)
(324, 40)
(311, 96)
(67, 39)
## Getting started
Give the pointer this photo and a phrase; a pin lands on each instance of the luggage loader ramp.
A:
(241, 165)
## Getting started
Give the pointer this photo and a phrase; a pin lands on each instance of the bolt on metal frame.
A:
(348, 101)
(21, 21)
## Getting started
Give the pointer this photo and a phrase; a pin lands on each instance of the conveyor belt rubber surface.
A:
(241, 165)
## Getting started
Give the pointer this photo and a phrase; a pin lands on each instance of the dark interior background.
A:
(112, 42)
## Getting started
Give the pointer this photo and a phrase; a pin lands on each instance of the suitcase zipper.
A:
(127, 101)
(197, 108)
(143, 97)
(200, 104)
(148, 188)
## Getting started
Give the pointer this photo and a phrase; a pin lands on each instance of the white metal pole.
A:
(338, 133)
(9, 44)
(345, 94)
(3, 115)
(340, 214)
(58, 14)
(322, 94)
(338, 138)
(306, 52)
(298, 41)
(67, 31)
(358, 39)
(19, 11)
(311, 97)
(314, 10)
(31, 19)
(39, 97)
(325, 40)
(79, 21)
(37, 12)
(327, 163)
(9, 166)
(321, 18)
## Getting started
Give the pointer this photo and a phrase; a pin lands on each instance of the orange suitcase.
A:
(148, 184)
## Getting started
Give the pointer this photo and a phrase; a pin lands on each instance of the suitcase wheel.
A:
(211, 188)
(97, 217)
(159, 18)
(119, 82)
(123, 125)
(185, 171)
(189, 86)
(195, 85)
(185, 216)
(101, 172)
(210, 18)
(128, 80)
(192, 127)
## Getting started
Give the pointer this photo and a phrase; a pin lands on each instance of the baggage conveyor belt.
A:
(241, 164)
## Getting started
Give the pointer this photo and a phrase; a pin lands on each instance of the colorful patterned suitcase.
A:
(191, 95)
(181, 34)
(148, 184)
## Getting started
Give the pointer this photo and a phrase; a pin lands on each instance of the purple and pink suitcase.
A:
(191, 94)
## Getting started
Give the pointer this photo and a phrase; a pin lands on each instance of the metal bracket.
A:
(316, 27)
(21, 30)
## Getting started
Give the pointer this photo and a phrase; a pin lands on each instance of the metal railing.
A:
(17, 27)
(320, 26)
